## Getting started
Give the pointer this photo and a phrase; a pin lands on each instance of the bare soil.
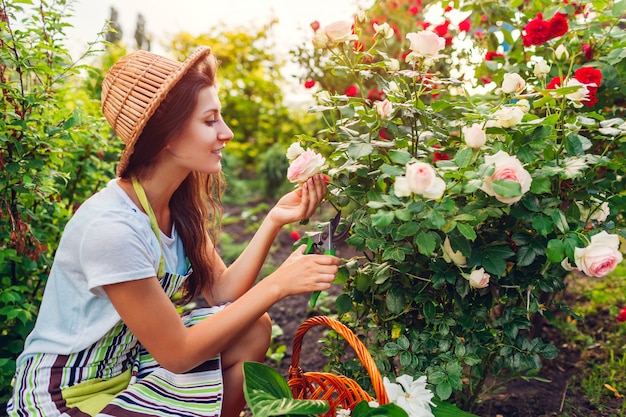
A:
(557, 392)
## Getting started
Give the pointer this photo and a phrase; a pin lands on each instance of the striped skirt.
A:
(127, 382)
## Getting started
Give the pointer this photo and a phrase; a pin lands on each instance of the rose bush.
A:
(476, 168)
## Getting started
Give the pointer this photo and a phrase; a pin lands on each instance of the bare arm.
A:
(150, 315)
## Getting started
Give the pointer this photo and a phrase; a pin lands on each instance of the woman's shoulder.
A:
(109, 206)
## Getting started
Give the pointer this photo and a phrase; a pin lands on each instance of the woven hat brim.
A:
(133, 112)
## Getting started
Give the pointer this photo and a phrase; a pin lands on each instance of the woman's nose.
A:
(225, 134)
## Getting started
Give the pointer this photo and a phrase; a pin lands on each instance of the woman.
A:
(108, 340)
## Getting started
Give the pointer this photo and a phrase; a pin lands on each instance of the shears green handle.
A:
(316, 294)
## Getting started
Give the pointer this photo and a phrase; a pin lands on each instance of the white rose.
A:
(393, 87)
(320, 40)
(479, 278)
(523, 105)
(294, 151)
(541, 69)
(578, 96)
(383, 108)
(425, 43)
(506, 167)
(384, 30)
(561, 53)
(401, 187)
(422, 179)
(513, 83)
(600, 211)
(340, 31)
(600, 257)
(393, 65)
(475, 136)
(508, 116)
(450, 255)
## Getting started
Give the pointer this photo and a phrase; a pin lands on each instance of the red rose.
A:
(491, 55)
(315, 25)
(385, 134)
(442, 29)
(351, 91)
(375, 94)
(622, 315)
(309, 83)
(558, 25)
(556, 82)
(587, 51)
(440, 156)
(414, 10)
(588, 75)
(536, 32)
(465, 25)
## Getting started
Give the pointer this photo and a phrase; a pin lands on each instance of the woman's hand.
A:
(301, 203)
(301, 273)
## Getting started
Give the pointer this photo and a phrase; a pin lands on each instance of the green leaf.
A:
(463, 157)
(360, 150)
(555, 251)
(382, 218)
(493, 259)
(268, 394)
(558, 217)
(525, 256)
(466, 230)
(541, 185)
(445, 409)
(507, 188)
(395, 301)
(542, 224)
(576, 145)
(409, 229)
(426, 243)
(399, 157)
(343, 304)
(444, 390)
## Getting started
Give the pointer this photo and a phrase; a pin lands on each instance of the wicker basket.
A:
(340, 391)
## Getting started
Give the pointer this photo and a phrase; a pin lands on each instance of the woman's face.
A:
(198, 146)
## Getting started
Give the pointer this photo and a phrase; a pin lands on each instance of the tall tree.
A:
(115, 29)
(141, 38)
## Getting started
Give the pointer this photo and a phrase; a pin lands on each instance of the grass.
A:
(601, 341)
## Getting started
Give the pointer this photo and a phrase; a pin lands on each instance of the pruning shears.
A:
(324, 243)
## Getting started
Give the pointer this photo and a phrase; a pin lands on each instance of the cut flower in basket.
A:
(303, 163)
(411, 395)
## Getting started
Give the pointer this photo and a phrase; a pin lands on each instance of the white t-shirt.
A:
(107, 241)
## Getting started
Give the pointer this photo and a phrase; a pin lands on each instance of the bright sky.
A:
(165, 18)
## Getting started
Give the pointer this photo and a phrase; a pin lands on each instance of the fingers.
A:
(314, 191)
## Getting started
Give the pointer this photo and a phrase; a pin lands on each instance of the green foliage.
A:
(52, 155)
(268, 394)
(415, 289)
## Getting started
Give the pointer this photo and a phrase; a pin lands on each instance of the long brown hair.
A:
(195, 206)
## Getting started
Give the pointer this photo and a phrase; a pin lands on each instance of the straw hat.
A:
(133, 89)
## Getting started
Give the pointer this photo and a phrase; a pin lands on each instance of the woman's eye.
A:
(211, 122)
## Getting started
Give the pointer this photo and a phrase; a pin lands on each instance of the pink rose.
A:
(340, 31)
(425, 44)
(600, 257)
(479, 278)
(474, 135)
(506, 168)
(307, 164)
(383, 108)
(421, 178)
